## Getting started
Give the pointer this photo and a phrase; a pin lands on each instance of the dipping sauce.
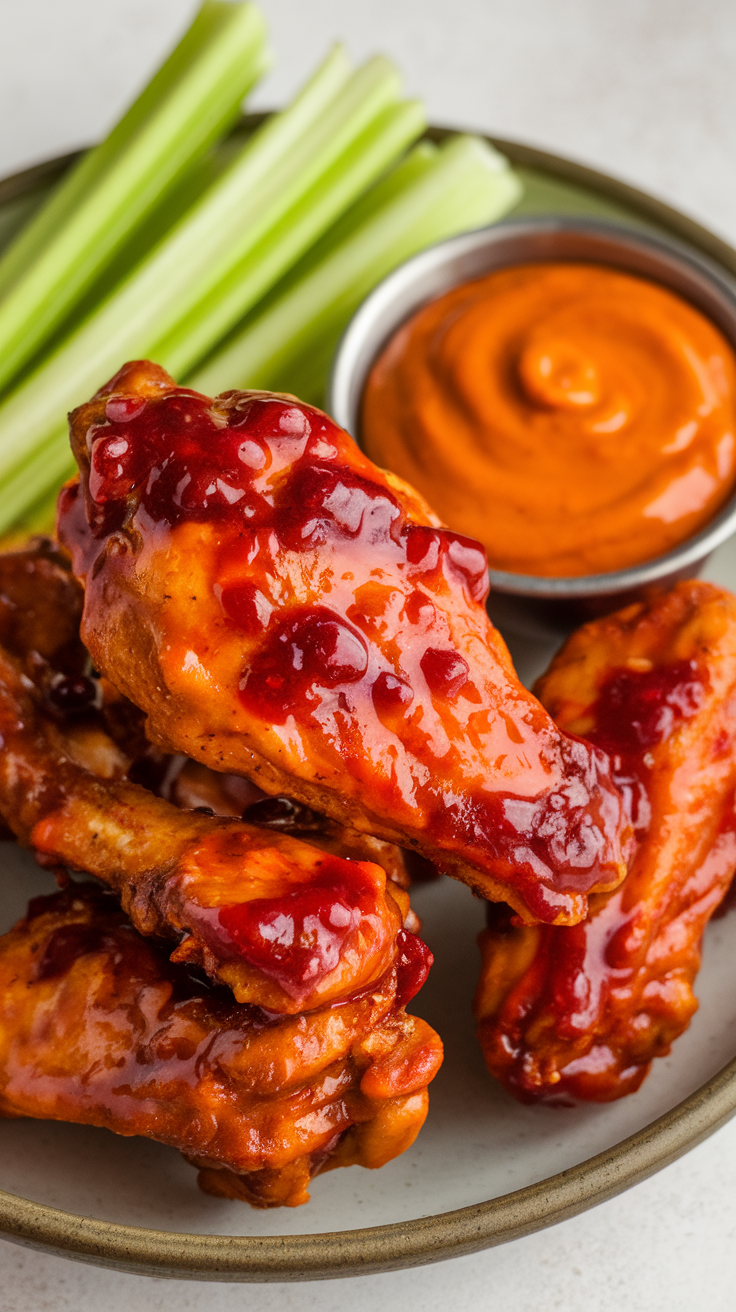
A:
(573, 418)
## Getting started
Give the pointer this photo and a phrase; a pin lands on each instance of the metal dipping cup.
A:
(541, 606)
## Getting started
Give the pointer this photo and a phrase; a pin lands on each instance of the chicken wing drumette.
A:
(280, 608)
(283, 923)
(40, 612)
(582, 1011)
(97, 1027)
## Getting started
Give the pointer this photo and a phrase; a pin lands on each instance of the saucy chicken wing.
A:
(282, 609)
(284, 924)
(582, 1011)
(41, 609)
(98, 1028)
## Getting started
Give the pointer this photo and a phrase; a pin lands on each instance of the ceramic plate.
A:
(484, 1169)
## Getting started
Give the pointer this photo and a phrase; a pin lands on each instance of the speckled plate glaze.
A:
(484, 1169)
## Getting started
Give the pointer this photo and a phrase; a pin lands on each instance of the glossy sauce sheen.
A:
(298, 938)
(97, 1027)
(574, 418)
(635, 713)
(573, 970)
(637, 710)
(352, 636)
(582, 1012)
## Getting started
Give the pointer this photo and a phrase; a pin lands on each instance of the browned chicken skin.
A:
(583, 1011)
(40, 612)
(53, 747)
(41, 609)
(222, 886)
(282, 609)
(97, 1027)
(259, 1102)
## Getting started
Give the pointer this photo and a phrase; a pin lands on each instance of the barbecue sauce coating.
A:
(282, 609)
(581, 1012)
(98, 1028)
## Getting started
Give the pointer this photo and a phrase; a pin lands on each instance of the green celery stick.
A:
(269, 334)
(95, 163)
(48, 466)
(178, 201)
(121, 328)
(354, 110)
(39, 518)
(168, 281)
(376, 149)
(287, 343)
(188, 105)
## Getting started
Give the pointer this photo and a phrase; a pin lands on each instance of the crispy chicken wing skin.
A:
(284, 924)
(40, 612)
(196, 786)
(41, 608)
(583, 1011)
(280, 608)
(97, 1027)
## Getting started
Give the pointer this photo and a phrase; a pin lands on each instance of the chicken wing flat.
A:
(282, 609)
(583, 1011)
(98, 1028)
(284, 924)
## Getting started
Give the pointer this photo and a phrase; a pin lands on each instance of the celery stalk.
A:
(287, 344)
(46, 467)
(195, 96)
(117, 330)
(278, 171)
(177, 202)
(95, 163)
(354, 111)
(376, 148)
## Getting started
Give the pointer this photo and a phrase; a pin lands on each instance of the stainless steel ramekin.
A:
(530, 602)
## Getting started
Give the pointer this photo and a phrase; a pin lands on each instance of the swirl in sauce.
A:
(572, 418)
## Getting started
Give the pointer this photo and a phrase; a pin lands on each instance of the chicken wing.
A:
(41, 609)
(282, 609)
(97, 1027)
(40, 613)
(582, 1011)
(284, 924)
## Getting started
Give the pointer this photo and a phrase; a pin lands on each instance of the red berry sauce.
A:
(298, 938)
(413, 965)
(635, 711)
(576, 968)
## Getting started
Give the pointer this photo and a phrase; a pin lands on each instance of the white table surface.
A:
(645, 89)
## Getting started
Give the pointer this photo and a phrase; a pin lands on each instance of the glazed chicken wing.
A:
(284, 924)
(583, 1011)
(40, 613)
(41, 609)
(97, 1027)
(282, 609)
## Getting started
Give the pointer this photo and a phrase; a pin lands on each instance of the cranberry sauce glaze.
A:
(298, 938)
(307, 612)
(613, 992)
(636, 712)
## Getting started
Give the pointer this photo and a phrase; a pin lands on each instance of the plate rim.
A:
(392, 1247)
(437, 1237)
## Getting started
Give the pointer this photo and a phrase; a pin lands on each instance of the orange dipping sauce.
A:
(572, 418)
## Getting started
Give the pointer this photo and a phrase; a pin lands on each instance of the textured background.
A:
(645, 89)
